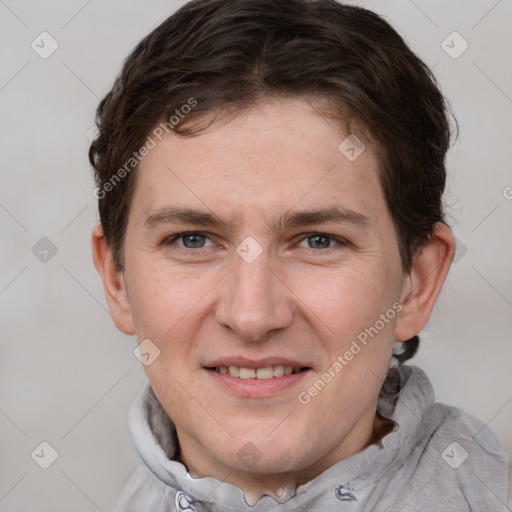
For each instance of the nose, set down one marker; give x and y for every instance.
(254, 302)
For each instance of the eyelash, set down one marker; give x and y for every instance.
(340, 242)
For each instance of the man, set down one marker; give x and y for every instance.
(270, 176)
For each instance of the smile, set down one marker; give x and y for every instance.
(266, 372)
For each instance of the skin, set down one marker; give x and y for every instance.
(298, 299)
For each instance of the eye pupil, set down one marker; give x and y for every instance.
(319, 242)
(193, 241)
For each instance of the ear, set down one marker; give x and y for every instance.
(113, 282)
(423, 284)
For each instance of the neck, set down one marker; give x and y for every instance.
(255, 485)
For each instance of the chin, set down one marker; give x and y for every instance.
(264, 464)
(265, 457)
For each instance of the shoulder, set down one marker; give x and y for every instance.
(442, 423)
(455, 425)
(465, 460)
(450, 460)
(143, 489)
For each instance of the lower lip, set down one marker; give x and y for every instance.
(256, 387)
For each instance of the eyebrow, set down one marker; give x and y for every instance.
(335, 214)
(183, 216)
(290, 219)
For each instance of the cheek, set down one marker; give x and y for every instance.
(344, 301)
(167, 302)
(169, 307)
(353, 316)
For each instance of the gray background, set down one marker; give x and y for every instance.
(67, 376)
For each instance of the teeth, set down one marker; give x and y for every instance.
(267, 372)
(247, 373)
(234, 371)
(278, 370)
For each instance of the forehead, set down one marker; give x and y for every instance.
(276, 157)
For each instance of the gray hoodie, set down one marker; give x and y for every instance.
(437, 458)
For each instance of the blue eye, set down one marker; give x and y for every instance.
(320, 241)
(192, 240)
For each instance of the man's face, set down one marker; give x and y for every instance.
(259, 245)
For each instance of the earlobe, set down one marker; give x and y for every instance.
(113, 282)
(424, 282)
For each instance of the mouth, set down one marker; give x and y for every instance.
(257, 378)
(262, 378)
(261, 373)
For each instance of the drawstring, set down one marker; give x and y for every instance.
(183, 502)
(345, 492)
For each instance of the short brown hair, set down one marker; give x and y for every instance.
(227, 55)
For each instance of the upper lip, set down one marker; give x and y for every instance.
(245, 362)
